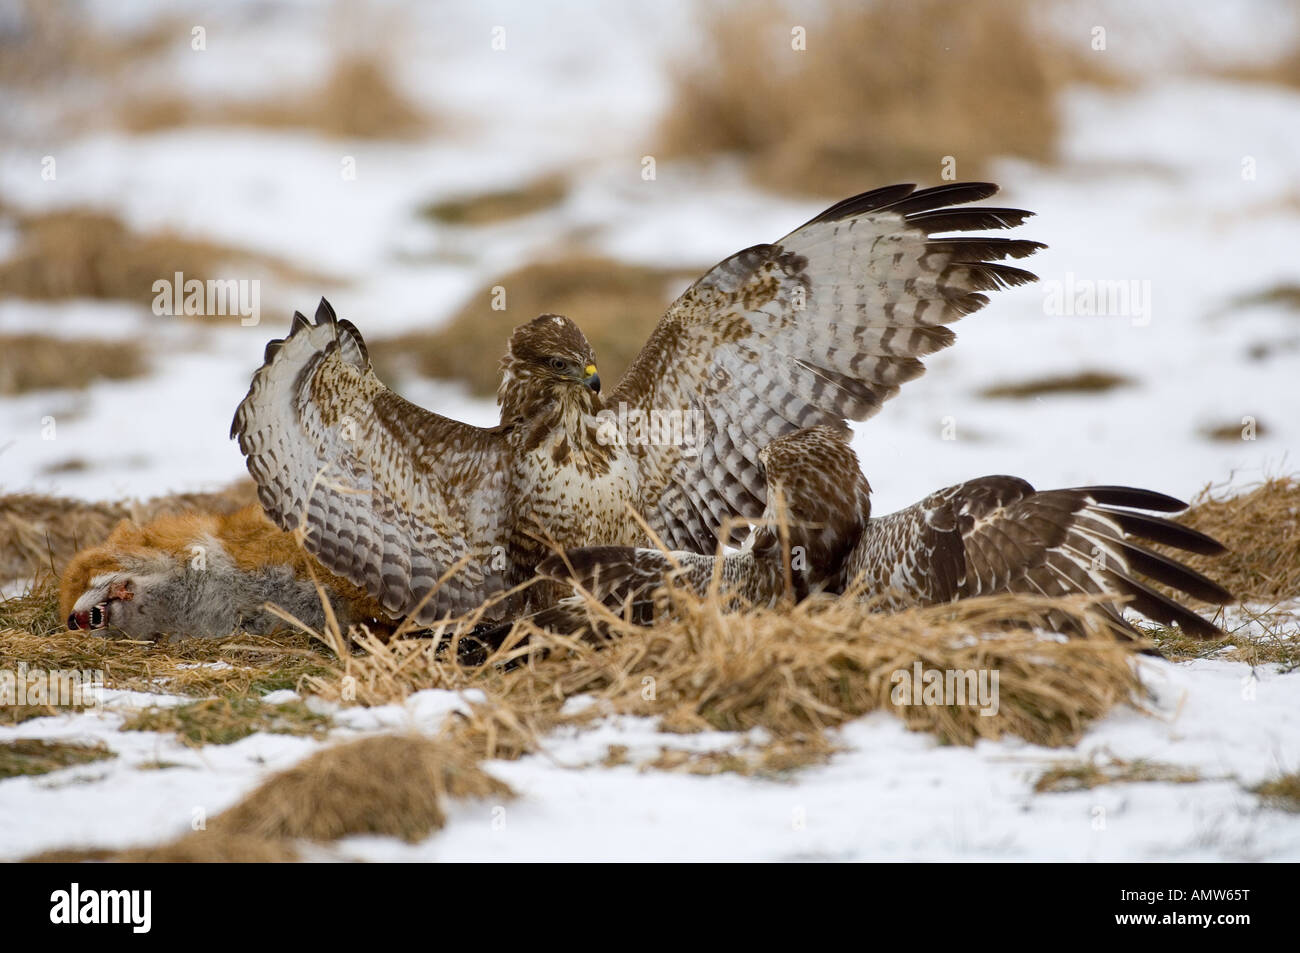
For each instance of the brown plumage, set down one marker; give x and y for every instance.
(433, 517)
(994, 534)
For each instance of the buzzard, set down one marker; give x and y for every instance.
(995, 534)
(434, 517)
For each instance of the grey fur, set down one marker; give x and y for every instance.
(173, 597)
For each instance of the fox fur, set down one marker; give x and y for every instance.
(205, 575)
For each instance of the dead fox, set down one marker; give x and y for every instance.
(204, 575)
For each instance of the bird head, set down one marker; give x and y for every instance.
(549, 357)
(817, 496)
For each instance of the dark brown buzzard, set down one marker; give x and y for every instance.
(995, 534)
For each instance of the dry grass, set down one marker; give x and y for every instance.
(1084, 382)
(1284, 293)
(774, 761)
(83, 253)
(201, 847)
(1270, 636)
(1261, 529)
(1176, 646)
(53, 40)
(883, 91)
(27, 756)
(792, 671)
(395, 785)
(1277, 642)
(1282, 792)
(487, 208)
(1086, 775)
(30, 630)
(223, 721)
(387, 785)
(40, 534)
(617, 306)
(357, 100)
(11, 715)
(1233, 431)
(54, 43)
(1282, 70)
(36, 362)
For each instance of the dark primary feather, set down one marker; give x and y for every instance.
(1165, 532)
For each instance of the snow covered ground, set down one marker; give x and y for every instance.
(1151, 190)
(890, 795)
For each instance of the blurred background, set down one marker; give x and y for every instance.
(409, 160)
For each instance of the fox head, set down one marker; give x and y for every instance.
(201, 576)
(138, 591)
(140, 594)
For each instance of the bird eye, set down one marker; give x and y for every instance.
(557, 363)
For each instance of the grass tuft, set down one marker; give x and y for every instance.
(357, 100)
(1282, 792)
(1086, 775)
(790, 670)
(83, 253)
(884, 90)
(394, 785)
(777, 760)
(1261, 528)
(28, 756)
(223, 721)
(1084, 382)
(201, 847)
(1234, 431)
(488, 208)
(1285, 294)
(37, 362)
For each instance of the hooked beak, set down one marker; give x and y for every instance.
(592, 379)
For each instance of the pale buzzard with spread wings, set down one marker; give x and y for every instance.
(433, 517)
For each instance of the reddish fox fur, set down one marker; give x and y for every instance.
(204, 575)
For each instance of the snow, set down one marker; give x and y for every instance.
(1150, 188)
(890, 795)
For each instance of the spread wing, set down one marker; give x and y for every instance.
(992, 535)
(390, 495)
(824, 325)
(997, 534)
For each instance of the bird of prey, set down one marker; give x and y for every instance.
(995, 534)
(434, 517)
